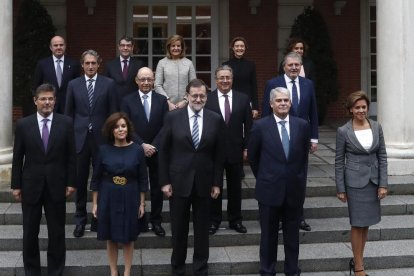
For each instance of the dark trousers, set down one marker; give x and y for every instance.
(233, 180)
(180, 218)
(301, 214)
(83, 162)
(155, 190)
(56, 250)
(269, 224)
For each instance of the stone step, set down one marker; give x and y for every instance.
(236, 260)
(315, 207)
(321, 182)
(323, 230)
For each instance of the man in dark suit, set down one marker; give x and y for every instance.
(146, 109)
(190, 166)
(43, 175)
(47, 71)
(303, 98)
(91, 98)
(235, 111)
(124, 68)
(278, 152)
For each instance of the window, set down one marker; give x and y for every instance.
(153, 22)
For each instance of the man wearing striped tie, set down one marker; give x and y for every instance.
(90, 99)
(190, 166)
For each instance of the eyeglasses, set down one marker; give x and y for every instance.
(224, 78)
(146, 80)
(201, 96)
(44, 99)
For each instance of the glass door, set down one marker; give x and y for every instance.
(152, 23)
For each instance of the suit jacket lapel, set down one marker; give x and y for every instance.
(35, 129)
(96, 92)
(52, 71)
(275, 135)
(54, 130)
(375, 134)
(352, 137)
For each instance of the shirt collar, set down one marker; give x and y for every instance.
(220, 94)
(40, 117)
(279, 119)
(142, 94)
(289, 80)
(94, 77)
(122, 59)
(55, 58)
(191, 112)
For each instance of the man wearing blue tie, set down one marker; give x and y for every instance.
(304, 106)
(278, 152)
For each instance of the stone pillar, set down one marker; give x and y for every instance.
(6, 102)
(395, 82)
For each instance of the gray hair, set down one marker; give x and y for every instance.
(292, 55)
(223, 67)
(281, 90)
(91, 53)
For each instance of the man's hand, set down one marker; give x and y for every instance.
(313, 147)
(149, 149)
(95, 210)
(17, 194)
(69, 190)
(245, 155)
(255, 114)
(342, 197)
(215, 191)
(167, 190)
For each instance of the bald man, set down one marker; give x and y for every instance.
(146, 110)
(47, 71)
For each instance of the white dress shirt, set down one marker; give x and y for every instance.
(60, 63)
(199, 121)
(221, 100)
(289, 86)
(149, 94)
(279, 126)
(93, 83)
(40, 123)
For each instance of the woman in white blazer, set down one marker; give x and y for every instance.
(360, 173)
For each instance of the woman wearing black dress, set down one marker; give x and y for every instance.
(244, 73)
(119, 184)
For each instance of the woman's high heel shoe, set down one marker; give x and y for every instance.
(352, 268)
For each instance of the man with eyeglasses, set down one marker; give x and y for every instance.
(234, 109)
(43, 176)
(190, 162)
(146, 109)
(123, 69)
(57, 70)
(90, 99)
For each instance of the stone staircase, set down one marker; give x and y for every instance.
(323, 251)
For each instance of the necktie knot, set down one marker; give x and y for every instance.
(125, 61)
(91, 81)
(58, 61)
(145, 97)
(282, 122)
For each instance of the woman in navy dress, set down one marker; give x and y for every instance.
(119, 184)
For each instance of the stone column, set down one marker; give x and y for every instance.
(395, 81)
(6, 56)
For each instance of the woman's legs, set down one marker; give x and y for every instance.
(112, 251)
(358, 239)
(128, 254)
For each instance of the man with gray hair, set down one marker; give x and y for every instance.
(90, 99)
(302, 94)
(278, 153)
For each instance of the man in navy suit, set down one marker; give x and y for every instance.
(278, 152)
(47, 71)
(146, 109)
(234, 109)
(124, 68)
(91, 98)
(304, 106)
(43, 175)
(190, 166)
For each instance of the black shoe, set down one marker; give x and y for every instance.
(238, 227)
(158, 230)
(304, 226)
(79, 231)
(212, 229)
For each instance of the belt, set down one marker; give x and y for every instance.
(119, 180)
